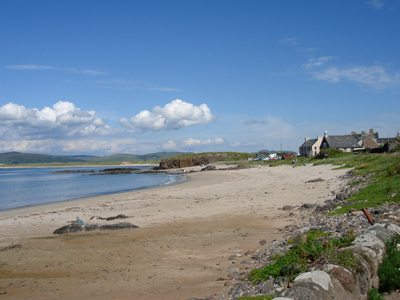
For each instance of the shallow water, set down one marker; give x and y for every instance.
(32, 186)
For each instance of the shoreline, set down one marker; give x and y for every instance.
(78, 166)
(191, 236)
(56, 204)
(179, 178)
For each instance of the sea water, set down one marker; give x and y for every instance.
(32, 186)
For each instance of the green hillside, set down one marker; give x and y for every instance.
(135, 157)
(15, 158)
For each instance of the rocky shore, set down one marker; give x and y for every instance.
(314, 217)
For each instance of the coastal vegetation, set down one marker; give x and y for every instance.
(310, 254)
(376, 175)
(219, 156)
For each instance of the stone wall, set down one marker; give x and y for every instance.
(335, 282)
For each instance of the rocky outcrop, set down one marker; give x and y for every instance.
(196, 160)
(75, 227)
(187, 162)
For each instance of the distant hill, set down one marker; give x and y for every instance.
(84, 157)
(136, 157)
(15, 158)
(29, 158)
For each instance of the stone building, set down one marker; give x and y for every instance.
(346, 143)
(310, 147)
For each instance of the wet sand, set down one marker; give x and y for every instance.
(188, 233)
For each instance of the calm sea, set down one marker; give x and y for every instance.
(32, 186)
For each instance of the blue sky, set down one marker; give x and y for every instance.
(104, 77)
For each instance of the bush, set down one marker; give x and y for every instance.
(374, 295)
(389, 270)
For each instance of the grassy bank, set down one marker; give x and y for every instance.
(382, 171)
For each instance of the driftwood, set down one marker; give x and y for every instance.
(120, 216)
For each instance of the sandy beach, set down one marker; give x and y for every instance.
(191, 235)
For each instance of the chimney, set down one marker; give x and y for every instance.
(353, 133)
(363, 133)
(397, 136)
(371, 132)
(307, 139)
(326, 133)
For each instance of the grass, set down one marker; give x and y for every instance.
(382, 169)
(388, 271)
(375, 194)
(298, 259)
(312, 235)
(355, 182)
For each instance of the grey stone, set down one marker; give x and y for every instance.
(299, 239)
(267, 287)
(318, 277)
(305, 290)
(308, 205)
(287, 207)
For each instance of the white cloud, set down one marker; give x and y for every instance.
(128, 84)
(378, 4)
(88, 146)
(63, 120)
(192, 142)
(38, 146)
(175, 115)
(219, 141)
(237, 144)
(29, 67)
(376, 77)
(307, 50)
(289, 42)
(250, 122)
(73, 70)
(317, 62)
(170, 145)
(12, 111)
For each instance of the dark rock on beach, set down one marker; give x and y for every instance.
(112, 171)
(75, 227)
(120, 216)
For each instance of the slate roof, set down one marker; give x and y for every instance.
(342, 141)
(308, 143)
(359, 136)
(384, 140)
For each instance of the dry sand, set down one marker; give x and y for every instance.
(187, 234)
